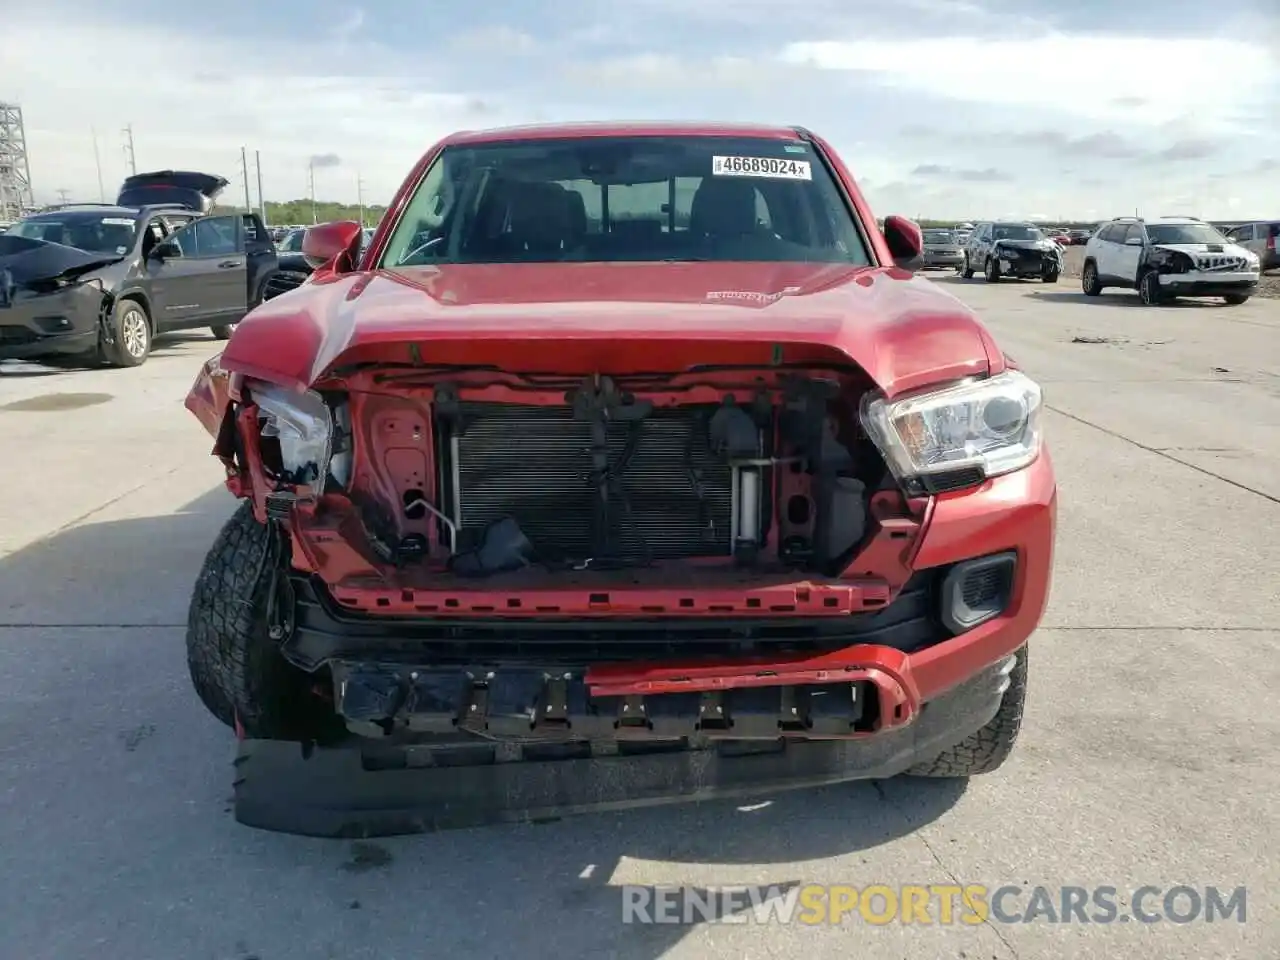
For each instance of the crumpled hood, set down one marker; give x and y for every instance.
(1211, 254)
(27, 260)
(904, 331)
(1028, 244)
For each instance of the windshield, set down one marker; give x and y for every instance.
(607, 199)
(1017, 231)
(94, 232)
(1184, 233)
(937, 236)
(292, 243)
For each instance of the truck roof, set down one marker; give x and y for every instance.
(639, 128)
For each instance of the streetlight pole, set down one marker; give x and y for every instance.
(311, 187)
(360, 197)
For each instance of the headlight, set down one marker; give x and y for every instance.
(990, 425)
(302, 424)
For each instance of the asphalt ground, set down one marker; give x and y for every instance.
(1148, 757)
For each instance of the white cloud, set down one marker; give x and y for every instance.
(1135, 80)
(204, 98)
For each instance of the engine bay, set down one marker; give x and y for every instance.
(474, 475)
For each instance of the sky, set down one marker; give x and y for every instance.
(964, 109)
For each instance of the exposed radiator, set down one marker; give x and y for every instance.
(533, 464)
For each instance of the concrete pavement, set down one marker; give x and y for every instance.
(1148, 756)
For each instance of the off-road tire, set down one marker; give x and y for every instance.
(1235, 299)
(1089, 282)
(991, 270)
(988, 748)
(966, 271)
(237, 670)
(1149, 290)
(131, 336)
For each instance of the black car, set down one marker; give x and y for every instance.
(102, 280)
(1012, 249)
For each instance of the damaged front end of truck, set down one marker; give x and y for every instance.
(690, 552)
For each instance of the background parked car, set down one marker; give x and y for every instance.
(1259, 238)
(942, 249)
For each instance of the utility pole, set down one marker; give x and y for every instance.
(360, 197)
(63, 195)
(244, 170)
(311, 189)
(97, 162)
(262, 203)
(128, 149)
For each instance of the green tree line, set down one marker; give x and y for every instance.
(302, 212)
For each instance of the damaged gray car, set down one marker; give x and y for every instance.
(98, 282)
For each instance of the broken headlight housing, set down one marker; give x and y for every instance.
(975, 429)
(302, 425)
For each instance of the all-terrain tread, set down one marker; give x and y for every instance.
(238, 673)
(988, 748)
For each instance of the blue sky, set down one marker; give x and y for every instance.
(947, 108)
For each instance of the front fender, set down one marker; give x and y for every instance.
(210, 395)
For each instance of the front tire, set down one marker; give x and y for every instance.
(1149, 289)
(1050, 276)
(1089, 281)
(966, 271)
(991, 270)
(1235, 299)
(130, 343)
(988, 748)
(238, 672)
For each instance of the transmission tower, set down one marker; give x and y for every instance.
(15, 169)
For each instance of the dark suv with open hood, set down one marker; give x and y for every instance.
(102, 280)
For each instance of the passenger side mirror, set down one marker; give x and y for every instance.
(906, 242)
(1133, 242)
(338, 241)
(165, 250)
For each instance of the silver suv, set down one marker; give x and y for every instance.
(1259, 238)
(1168, 257)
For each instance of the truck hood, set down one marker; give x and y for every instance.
(25, 260)
(904, 331)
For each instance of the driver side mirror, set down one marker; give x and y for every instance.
(906, 242)
(330, 241)
(165, 250)
(1133, 242)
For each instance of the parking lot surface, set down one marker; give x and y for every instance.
(1148, 756)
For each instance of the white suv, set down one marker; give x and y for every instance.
(1168, 257)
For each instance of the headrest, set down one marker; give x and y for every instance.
(723, 207)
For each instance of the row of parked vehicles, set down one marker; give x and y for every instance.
(1162, 258)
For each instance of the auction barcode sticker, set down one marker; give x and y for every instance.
(777, 168)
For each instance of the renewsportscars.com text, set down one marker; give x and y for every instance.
(971, 904)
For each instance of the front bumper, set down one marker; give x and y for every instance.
(41, 325)
(943, 258)
(427, 672)
(1206, 284)
(1030, 266)
(373, 790)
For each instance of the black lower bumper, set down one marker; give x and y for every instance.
(55, 324)
(1243, 288)
(365, 790)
